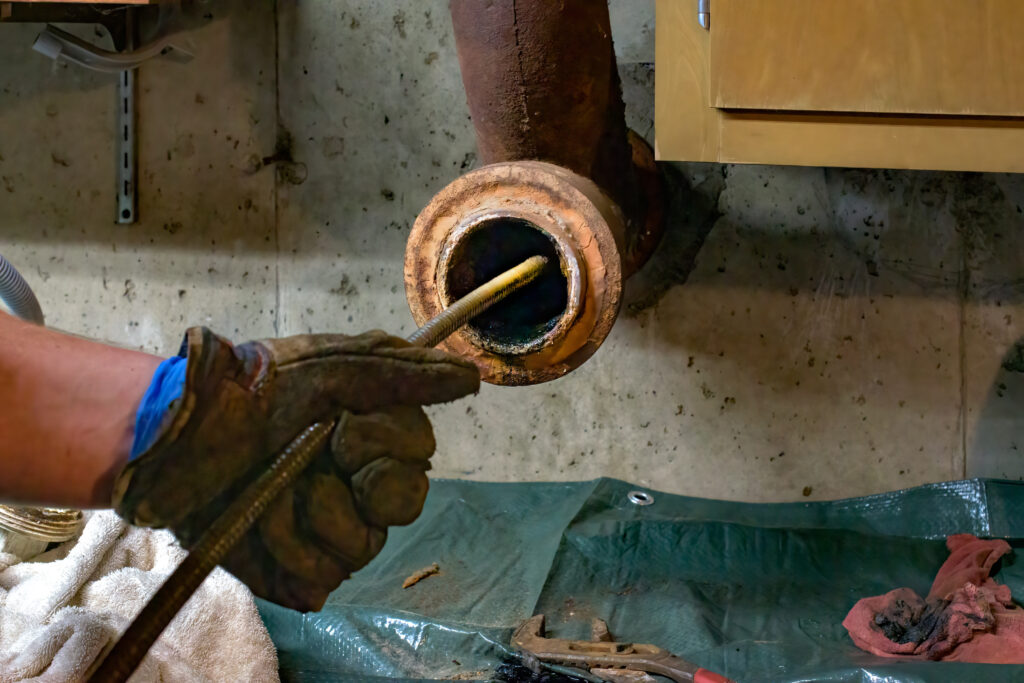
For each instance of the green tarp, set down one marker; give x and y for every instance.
(757, 592)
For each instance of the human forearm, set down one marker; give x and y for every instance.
(169, 443)
(67, 414)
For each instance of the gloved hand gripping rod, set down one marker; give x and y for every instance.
(283, 470)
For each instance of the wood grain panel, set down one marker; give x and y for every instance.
(688, 128)
(961, 57)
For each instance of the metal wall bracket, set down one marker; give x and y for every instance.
(704, 13)
(63, 46)
(127, 189)
(127, 197)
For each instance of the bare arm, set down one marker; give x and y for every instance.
(67, 414)
(68, 410)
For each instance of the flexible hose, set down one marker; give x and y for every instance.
(16, 293)
(213, 545)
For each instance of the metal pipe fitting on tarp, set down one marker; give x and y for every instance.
(564, 178)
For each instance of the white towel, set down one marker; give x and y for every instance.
(58, 611)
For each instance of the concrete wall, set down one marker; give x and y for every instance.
(802, 333)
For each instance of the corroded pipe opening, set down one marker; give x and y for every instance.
(493, 218)
(485, 246)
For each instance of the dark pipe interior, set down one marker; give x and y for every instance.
(489, 250)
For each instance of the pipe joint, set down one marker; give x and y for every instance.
(494, 217)
(565, 179)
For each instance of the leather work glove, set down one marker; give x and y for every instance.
(240, 405)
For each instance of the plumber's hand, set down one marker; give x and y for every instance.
(241, 405)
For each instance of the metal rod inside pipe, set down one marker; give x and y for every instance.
(226, 531)
(441, 326)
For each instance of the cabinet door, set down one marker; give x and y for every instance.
(935, 57)
(933, 84)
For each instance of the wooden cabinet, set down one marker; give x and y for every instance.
(878, 83)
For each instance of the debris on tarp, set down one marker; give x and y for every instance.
(756, 592)
(421, 574)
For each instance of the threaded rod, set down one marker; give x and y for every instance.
(438, 328)
(128, 652)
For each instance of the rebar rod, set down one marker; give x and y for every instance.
(438, 328)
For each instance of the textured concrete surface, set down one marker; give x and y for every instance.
(633, 29)
(371, 101)
(204, 250)
(990, 210)
(801, 334)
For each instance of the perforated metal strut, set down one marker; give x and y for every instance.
(235, 521)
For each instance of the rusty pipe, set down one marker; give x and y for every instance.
(542, 84)
(552, 94)
(564, 177)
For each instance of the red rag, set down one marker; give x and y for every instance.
(982, 624)
(970, 561)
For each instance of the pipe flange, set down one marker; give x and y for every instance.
(578, 223)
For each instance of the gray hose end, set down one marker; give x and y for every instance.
(18, 296)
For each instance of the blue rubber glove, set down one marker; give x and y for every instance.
(167, 385)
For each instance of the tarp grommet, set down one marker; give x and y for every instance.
(640, 498)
